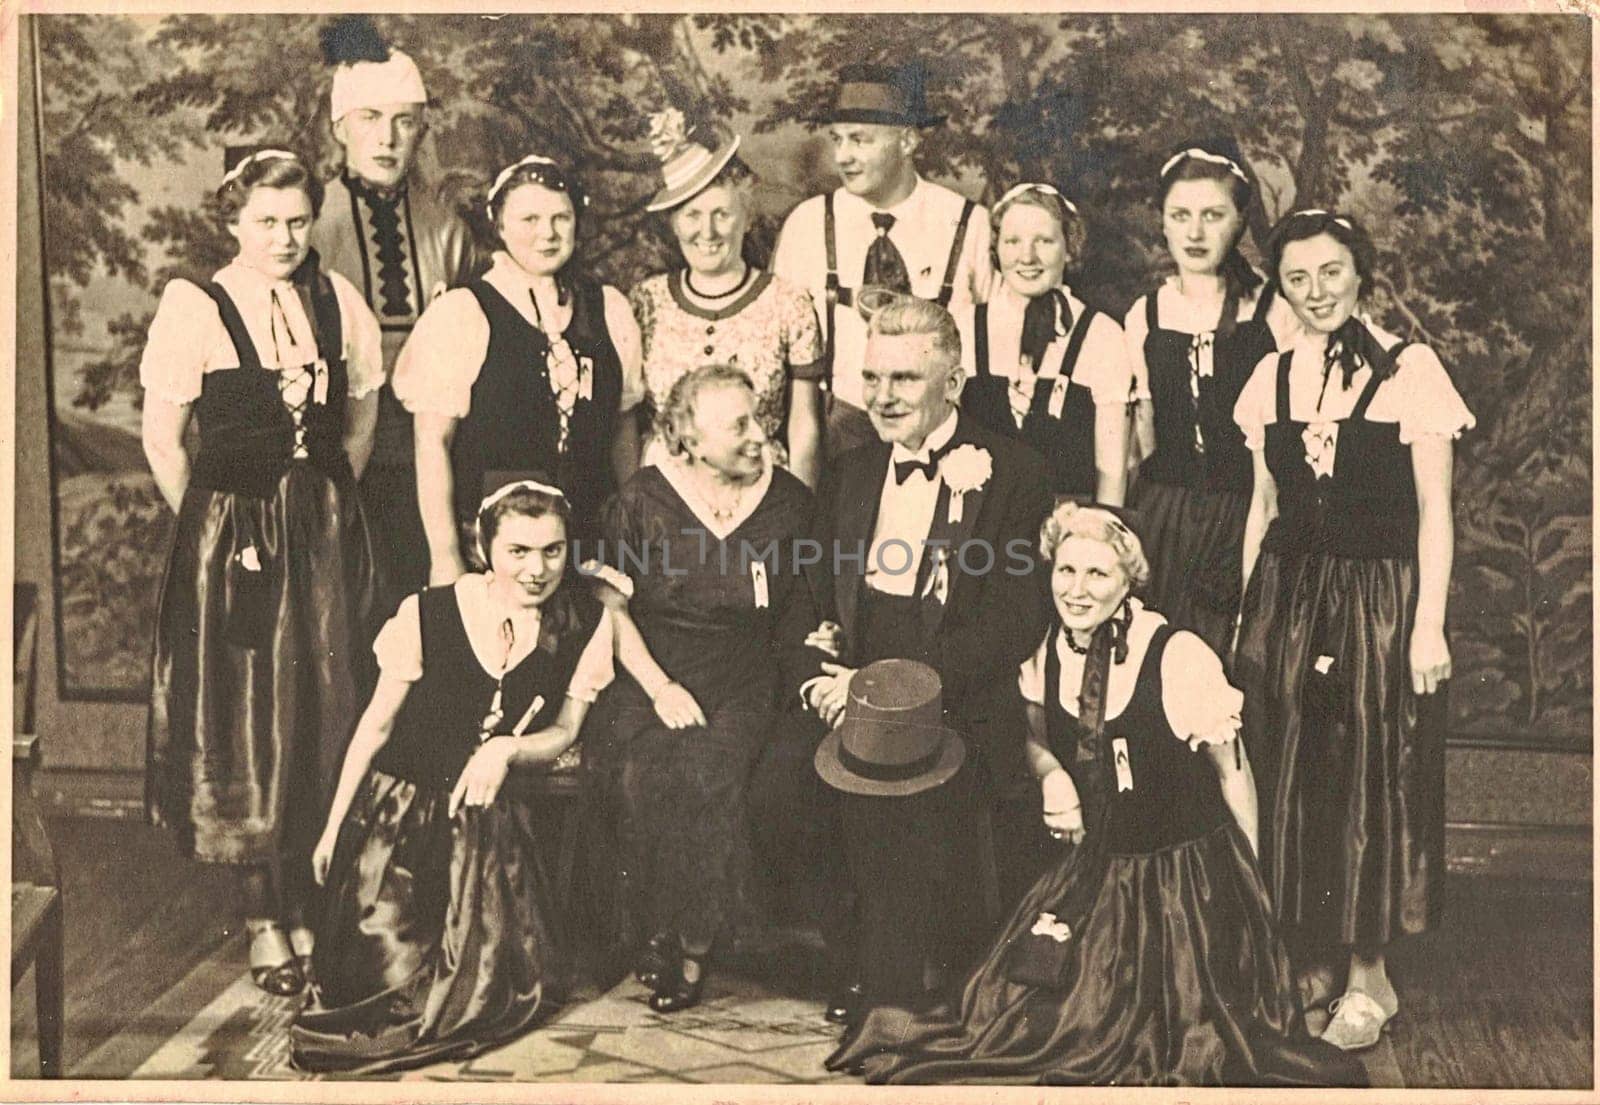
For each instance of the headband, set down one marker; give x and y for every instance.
(510, 170)
(1307, 212)
(237, 171)
(1205, 155)
(520, 485)
(1046, 189)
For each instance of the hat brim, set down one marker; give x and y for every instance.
(839, 777)
(881, 118)
(668, 198)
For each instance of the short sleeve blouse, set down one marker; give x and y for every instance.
(1420, 396)
(398, 645)
(1102, 364)
(1199, 701)
(187, 338)
(441, 360)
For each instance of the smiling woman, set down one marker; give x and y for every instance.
(719, 308)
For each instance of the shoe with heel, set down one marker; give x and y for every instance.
(673, 990)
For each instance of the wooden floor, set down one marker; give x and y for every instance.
(1501, 996)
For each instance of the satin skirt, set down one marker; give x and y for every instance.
(1179, 980)
(436, 941)
(259, 676)
(1194, 540)
(1348, 759)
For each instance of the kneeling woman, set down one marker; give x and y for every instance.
(1147, 954)
(435, 942)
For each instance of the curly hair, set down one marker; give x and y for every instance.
(1073, 231)
(267, 172)
(675, 419)
(1072, 519)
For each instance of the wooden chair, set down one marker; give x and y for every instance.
(37, 922)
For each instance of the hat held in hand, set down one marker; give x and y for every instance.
(892, 740)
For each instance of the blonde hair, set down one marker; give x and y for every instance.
(675, 419)
(1071, 519)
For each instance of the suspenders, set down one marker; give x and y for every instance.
(835, 294)
(1069, 359)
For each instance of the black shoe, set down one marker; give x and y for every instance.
(673, 991)
(656, 958)
(845, 1004)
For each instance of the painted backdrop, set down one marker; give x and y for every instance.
(1463, 142)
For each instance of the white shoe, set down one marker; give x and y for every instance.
(1358, 1021)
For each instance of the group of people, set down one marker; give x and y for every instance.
(827, 571)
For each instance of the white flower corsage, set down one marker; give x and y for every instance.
(965, 469)
(1049, 925)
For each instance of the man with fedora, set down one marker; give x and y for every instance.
(932, 530)
(399, 244)
(885, 230)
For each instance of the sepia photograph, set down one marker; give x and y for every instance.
(793, 551)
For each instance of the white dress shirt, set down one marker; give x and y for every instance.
(923, 230)
(905, 515)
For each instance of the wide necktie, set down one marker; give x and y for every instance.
(885, 268)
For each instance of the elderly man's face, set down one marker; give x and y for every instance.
(910, 386)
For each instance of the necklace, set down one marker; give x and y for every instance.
(1072, 643)
(744, 279)
(724, 514)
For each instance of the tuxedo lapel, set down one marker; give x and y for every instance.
(945, 538)
(860, 496)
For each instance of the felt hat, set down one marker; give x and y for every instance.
(892, 740)
(889, 95)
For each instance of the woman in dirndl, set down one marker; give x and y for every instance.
(265, 607)
(1342, 654)
(438, 940)
(1193, 342)
(1146, 954)
(1042, 365)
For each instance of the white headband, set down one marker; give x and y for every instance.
(237, 171)
(506, 173)
(1047, 189)
(1204, 155)
(364, 84)
(1340, 219)
(520, 485)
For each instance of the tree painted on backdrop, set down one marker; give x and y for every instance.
(1461, 142)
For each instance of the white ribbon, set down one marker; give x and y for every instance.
(237, 171)
(1205, 155)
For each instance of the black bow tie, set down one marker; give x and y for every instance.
(929, 468)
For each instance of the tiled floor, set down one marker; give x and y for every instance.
(739, 1034)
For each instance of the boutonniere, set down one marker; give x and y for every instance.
(965, 469)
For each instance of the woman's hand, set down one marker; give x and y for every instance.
(676, 707)
(484, 774)
(445, 570)
(827, 637)
(322, 855)
(1430, 659)
(1063, 813)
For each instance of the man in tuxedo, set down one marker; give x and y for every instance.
(933, 532)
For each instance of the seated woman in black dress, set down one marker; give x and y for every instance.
(435, 941)
(727, 627)
(1147, 954)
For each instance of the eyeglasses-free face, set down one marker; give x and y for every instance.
(1201, 223)
(1319, 278)
(539, 228)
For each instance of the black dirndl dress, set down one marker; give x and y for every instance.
(1145, 956)
(1349, 760)
(1059, 425)
(1193, 492)
(438, 938)
(265, 612)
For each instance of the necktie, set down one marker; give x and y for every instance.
(885, 268)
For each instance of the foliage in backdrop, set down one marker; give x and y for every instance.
(1462, 142)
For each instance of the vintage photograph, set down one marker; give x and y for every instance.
(718, 547)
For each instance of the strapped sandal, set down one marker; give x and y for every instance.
(1358, 1021)
(273, 966)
